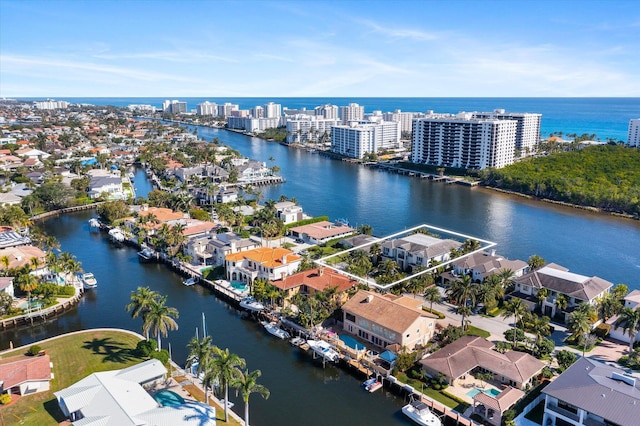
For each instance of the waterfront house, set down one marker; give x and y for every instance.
(558, 281)
(108, 186)
(211, 249)
(262, 262)
(289, 212)
(418, 250)
(492, 407)
(10, 238)
(387, 319)
(6, 286)
(21, 256)
(591, 393)
(482, 264)
(320, 232)
(227, 196)
(312, 281)
(253, 171)
(119, 397)
(25, 375)
(469, 354)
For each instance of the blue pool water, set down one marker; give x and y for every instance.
(239, 285)
(168, 398)
(351, 342)
(491, 392)
(35, 304)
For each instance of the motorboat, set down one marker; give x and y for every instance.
(94, 223)
(116, 235)
(88, 280)
(297, 341)
(130, 175)
(324, 349)
(251, 304)
(420, 413)
(146, 255)
(190, 281)
(272, 328)
(372, 384)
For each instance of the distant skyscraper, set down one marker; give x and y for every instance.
(207, 108)
(463, 141)
(634, 133)
(327, 111)
(51, 104)
(272, 110)
(351, 112)
(174, 107)
(225, 110)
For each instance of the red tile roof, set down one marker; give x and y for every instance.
(15, 371)
(316, 279)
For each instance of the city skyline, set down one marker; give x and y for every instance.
(325, 49)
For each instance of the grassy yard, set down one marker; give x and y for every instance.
(475, 331)
(74, 357)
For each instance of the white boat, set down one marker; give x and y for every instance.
(297, 341)
(421, 414)
(190, 281)
(251, 304)
(272, 328)
(88, 280)
(371, 385)
(94, 223)
(116, 235)
(324, 349)
(146, 255)
(131, 175)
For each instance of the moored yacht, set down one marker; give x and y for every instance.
(421, 414)
(251, 304)
(324, 349)
(88, 280)
(272, 328)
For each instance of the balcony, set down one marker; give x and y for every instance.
(563, 412)
(590, 421)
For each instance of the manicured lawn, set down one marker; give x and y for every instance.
(438, 395)
(74, 357)
(475, 331)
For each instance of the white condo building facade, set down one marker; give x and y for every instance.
(174, 107)
(303, 128)
(51, 104)
(527, 127)
(207, 108)
(351, 112)
(634, 133)
(357, 139)
(463, 141)
(327, 111)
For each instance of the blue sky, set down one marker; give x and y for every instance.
(57, 48)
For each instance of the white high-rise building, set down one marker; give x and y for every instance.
(327, 111)
(174, 107)
(272, 110)
(207, 108)
(257, 112)
(225, 110)
(527, 130)
(463, 141)
(351, 112)
(634, 133)
(303, 128)
(51, 104)
(357, 139)
(404, 118)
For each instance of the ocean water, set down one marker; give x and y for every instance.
(604, 117)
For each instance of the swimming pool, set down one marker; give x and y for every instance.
(168, 398)
(491, 392)
(35, 304)
(351, 342)
(239, 285)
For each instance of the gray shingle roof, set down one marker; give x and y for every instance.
(557, 278)
(589, 385)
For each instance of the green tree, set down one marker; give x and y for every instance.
(201, 353)
(565, 358)
(432, 295)
(535, 262)
(629, 320)
(159, 319)
(463, 291)
(226, 367)
(514, 307)
(141, 301)
(247, 383)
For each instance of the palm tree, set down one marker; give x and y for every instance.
(463, 291)
(201, 352)
(5, 262)
(140, 303)
(514, 307)
(246, 384)
(535, 262)
(27, 283)
(562, 302)
(629, 320)
(542, 295)
(579, 324)
(159, 319)
(540, 327)
(431, 295)
(506, 277)
(470, 245)
(465, 312)
(225, 367)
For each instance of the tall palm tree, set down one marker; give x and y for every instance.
(201, 352)
(159, 319)
(463, 291)
(226, 367)
(562, 302)
(629, 320)
(514, 307)
(431, 295)
(465, 312)
(246, 384)
(506, 277)
(5, 262)
(535, 262)
(27, 283)
(579, 324)
(140, 303)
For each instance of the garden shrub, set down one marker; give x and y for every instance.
(145, 348)
(5, 399)
(162, 356)
(34, 350)
(602, 330)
